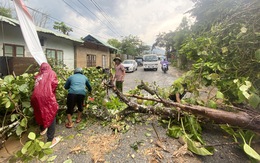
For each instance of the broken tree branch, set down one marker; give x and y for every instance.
(238, 118)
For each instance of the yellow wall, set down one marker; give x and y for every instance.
(91, 49)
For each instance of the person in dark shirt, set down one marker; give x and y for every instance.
(76, 85)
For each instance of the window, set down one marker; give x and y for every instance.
(91, 60)
(104, 61)
(54, 54)
(13, 50)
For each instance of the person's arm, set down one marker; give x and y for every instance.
(54, 83)
(123, 73)
(88, 86)
(67, 84)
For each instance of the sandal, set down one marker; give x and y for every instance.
(44, 131)
(78, 120)
(55, 141)
(69, 125)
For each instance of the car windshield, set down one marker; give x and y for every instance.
(150, 58)
(128, 62)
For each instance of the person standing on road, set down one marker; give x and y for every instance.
(44, 103)
(120, 74)
(76, 85)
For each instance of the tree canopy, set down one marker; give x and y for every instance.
(7, 12)
(130, 45)
(62, 27)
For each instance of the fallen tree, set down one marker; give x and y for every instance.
(246, 119)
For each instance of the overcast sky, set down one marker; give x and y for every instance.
(114, 18)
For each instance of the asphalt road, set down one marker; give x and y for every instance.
(162, 79)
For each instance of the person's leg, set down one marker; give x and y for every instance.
(80, 102)
(119, 85)
(51, 130)
(70, 109)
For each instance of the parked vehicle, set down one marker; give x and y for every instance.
(130, 65)
(150, 62)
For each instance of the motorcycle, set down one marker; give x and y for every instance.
(164, 67)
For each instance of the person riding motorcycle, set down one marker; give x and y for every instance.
(164, 61)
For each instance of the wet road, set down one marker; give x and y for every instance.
(162, 79)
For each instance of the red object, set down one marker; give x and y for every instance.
(91, 98)
(43, 98)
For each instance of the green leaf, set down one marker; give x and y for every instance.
(8, 79)
(224, 49)
(81, 126)
(8, 104)
(175, 131)
(254, 100)
(257, 54)
(243, 30)
(47, 145)
(32, 136)
(25, 147)
(68, 161)
(52, 158)
(24, 122)
(147, 134)
(14, 117)
(41, 144)
(26, 104)
(19, 130)
(212, 104)
(44, 158)
(23, 88)
(228, 129)
(48, 151)
(219, 95)
(251, 152)
(194, 147)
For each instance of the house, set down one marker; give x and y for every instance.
(94, 52)
(16, 58)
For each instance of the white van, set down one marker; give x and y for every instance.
(150, 62)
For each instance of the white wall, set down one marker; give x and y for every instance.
(57, 43)
(12, 35)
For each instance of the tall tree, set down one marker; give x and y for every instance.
(62, 27)
(132, 45)
(7, 12)
(114, 42)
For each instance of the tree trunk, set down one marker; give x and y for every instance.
(243, 119)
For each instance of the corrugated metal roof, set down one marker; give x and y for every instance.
(90, 38)
(15, 22)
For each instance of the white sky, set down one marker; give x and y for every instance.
(142, 18)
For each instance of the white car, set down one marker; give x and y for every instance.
(130, 65)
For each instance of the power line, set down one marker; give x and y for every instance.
(103, 13)
(98, 18)
(55, 19)
(83, 15)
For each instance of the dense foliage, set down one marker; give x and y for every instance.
(130, 45)
(223, 48)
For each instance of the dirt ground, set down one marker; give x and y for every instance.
(145, 141)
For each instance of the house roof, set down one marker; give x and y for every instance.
(15, 22)
(95, 40)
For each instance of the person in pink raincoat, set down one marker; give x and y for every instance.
(43, 101)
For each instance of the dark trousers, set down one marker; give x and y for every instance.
(72, 100)
(119, 85)
(50, 131)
